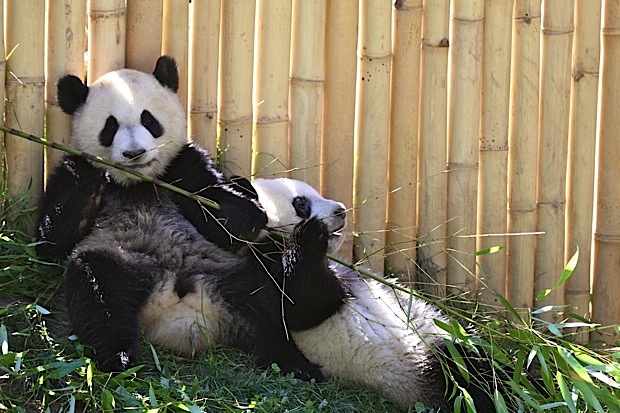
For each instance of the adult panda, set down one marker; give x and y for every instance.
(142, 258)
(354, 327)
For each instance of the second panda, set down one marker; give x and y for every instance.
(352, 326)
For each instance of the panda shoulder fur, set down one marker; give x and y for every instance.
(355, 327)
(142, 258)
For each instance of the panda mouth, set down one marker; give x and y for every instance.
(140, 165)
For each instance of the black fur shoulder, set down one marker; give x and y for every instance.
(69, 206)
(239, 217)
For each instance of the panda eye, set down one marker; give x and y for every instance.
(302, 206)
(106, 136)
(151, 124)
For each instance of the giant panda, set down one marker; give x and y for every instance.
(140, 258)
(354, 327)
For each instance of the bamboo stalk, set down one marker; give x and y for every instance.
(339, 105)
(493, 174)
(175, 36)
(203, 72)
(235, 86)
(403, 149)
(106, 37)
(432, 181)
(271, 81)
(556, 50)
(25, 94)
(522, 139)
(144, 27)
(581, 155)
(66, 36)
(372, 131)
(605, 288)
(306, 89)
(464, 80)
(2, 76)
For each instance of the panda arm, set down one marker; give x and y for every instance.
(69, 206)
(239, 218)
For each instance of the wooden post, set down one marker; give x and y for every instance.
(581, 155)
(339, 106)
(556, 43)
(175, 36)
(372, 131)
(464, 80)
(306, 89)
(523, 143)
(25, 95)
(403, 149)
(235, 86)
(493, 174)
(605, 288)
(271, 87)
(432, 180)
(203, 72)
(144, 26)
(66, 37)
(106, 37)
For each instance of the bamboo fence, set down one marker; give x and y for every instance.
(448, 127)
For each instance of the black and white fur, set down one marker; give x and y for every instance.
(354, 327)
(142, 258)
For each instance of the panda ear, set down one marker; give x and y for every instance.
(166, 72)
(244, 186)
(71, 93)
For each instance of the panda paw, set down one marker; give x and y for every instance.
(306, 371)
(117, 362)
(312, 236)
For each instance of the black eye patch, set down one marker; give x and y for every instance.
(151, 124)
(302, 206)
(106, 136)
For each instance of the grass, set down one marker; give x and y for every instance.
(43, 368)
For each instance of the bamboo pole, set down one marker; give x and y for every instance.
(403, 149)
(66, 37)
(556, 51)
(605, 288)
(432, 181)
(2, 84)
(25, 94)
(106, 37)
(144, 27)
(523, 143)
(339, 105)
(175, 36)
(306, 89)
(464, 85)
(581, 155)
(493, 174)
(235, 86)
(203, 72)
(372, 131)
(271, 81)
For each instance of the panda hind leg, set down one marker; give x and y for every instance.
(273, 346)
(103, 297)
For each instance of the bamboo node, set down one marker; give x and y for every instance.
(578, 74)
(610, 239)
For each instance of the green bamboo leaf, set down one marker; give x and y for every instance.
(588, 395)
(457, 359)
(570, 267)
(567, 396)
(572, 362)
(510, 308)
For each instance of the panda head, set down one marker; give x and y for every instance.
(288, 202)
(129, 117)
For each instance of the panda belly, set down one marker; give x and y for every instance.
(184, 311)
(368, 342)
(186, 324)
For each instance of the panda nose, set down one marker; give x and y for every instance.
(339, 212)
(134, 153)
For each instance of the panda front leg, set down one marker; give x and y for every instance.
(314, 291)
(103, 297)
